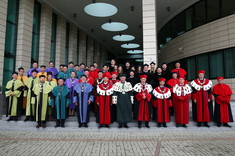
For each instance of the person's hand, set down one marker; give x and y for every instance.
(52, 107)
(195, 101)
(12, 94)
(209, 100)
(76, 103)
(98, 104)
(67, 106)
(89, 102)
(144, 97)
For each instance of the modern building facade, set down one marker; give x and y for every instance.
(199, 33)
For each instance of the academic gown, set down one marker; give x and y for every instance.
(104, 101)
(71, 83)
(53, 70)
(223, 112)
(124, 100)
(42, 92)
(30, 71)
(31, 100)
(60, 100)
(83, 94)
(53, 84)
(63, 75)
(162, 103)
(202, 110)
(93, 74)
(143, 107)
(22, 98)
(181, 95)
(132, 80)
(13, 106)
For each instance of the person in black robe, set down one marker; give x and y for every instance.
(165, 72)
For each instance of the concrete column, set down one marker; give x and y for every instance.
(3, 19)
(90, 51)
(82, 47)
(60, 40)
(73, 43)
(97, 53)
(45, 34)
(24, 34)
(149, 31)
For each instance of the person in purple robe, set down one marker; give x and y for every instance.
(52, 69)
(35, 67)
(71, 83)
(83, 99)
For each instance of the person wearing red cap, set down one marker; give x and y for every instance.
(143, 96)
(114, 77)
(123, 98)
(180, 71)
(104, 101)
(223, 113)
(162, 103)
(181, 94)
(202, 99)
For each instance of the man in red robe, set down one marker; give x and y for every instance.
(223, 113)
(104, 100)
(181, 94)
(89, 79)
(143, 97)
(162, 103)
(180, 71)
(114, 77)
(92, 72)
(202, 99)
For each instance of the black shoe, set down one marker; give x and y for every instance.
(26, 119)
(147, 125)
(125, 125)
(80, 125)
(206, 124)
(15, 118)
(199, 124)
(177, 125)
(44, 126)
(100, 126)
(219, 124)
(184, 125)
(164, 125)
(38, 126)
(107, 126)
(10, 119)
(120, 126)
(159, 125)
(85, 125)
(226, 125)
(62, 125)
(139, 126)
(57, 125)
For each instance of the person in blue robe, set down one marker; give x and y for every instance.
(83, 99)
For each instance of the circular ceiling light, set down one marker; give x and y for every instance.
(130, 45)
(123, 38)
(100, 9)
(139, 60)
(114, 26)
(135, 51)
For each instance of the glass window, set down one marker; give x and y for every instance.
(67, 44)
(229, 62)
(213, 10)
(216, 64)
(191, 68)
(189, 19)
(200, 13)
(36, 30)
(228, 7)
(203, 63)
(180, 23)
(53, 37)
(10, 46)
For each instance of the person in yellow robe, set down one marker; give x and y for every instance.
(13, 91)
(42, 71)
(30, 106)
(53, 83)
(22, 98)
(42, 91)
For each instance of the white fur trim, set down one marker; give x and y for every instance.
(137, 87)
(104, 92)
(117, 87)
(162, 95)
(199, 87)
(177, 89)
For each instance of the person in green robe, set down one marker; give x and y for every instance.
(31, 100)
(64, 74)
(42, 91)
(13, 91)
(53, 83)
(123, 98)
(60, 100)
